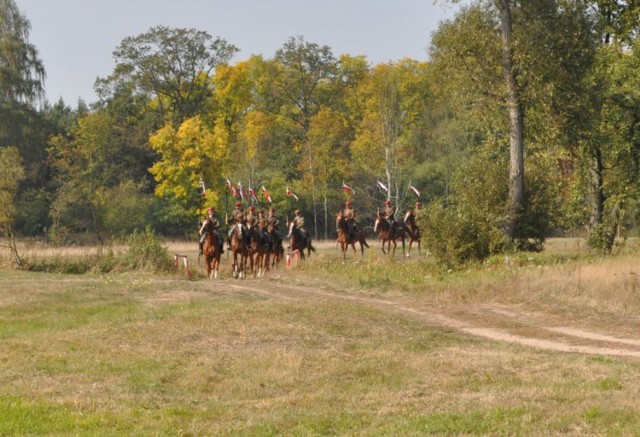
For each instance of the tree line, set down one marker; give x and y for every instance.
(523, 124)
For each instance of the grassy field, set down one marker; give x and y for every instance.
(138, 353)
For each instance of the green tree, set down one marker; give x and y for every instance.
(171, 67)
(507, 63)
(11, 173)
(22, 76)
(22, 73)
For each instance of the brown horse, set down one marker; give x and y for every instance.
(212, 249)
(240, 251)
(383, 227)
(347, 240)
(259, 251)
(297, 242)
(413, 231)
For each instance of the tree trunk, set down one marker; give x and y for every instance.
(597, 183)
(515, 203)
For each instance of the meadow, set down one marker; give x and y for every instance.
(365, 346)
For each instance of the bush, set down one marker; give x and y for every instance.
(146, 252)
(455, 237)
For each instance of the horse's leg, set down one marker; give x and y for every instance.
(233, 265)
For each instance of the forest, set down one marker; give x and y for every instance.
(524, 124)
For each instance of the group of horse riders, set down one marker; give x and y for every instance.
(249, 218)
(245, 220)
(349, 214)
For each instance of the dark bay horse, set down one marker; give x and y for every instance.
(259, 251)
(212, 249)
(240, 250)
(383, 227)
(296, 242)
(277, 251)
(347, 240)
(413, 231)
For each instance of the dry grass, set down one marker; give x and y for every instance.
(138, 354)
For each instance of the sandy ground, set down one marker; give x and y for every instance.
(493, 322)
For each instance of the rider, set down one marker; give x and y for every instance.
(215, 224)
(299, 221)
(250, 216)
(237, 218)
(272, 220)
(262, 220)
(389, 214)
(350, 217)
(418, 206)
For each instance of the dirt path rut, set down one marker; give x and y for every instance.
(510, 324)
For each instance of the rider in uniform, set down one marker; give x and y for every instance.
(250, 217)
(272, 219)
(390, 215)
(262, 220)
(349, 214)
(418, 206)
(299, 221)
(237, 218)
(211, 218)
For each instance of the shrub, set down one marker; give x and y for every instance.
(146, 252)
(455, 237)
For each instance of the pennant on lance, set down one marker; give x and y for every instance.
(382, 186)
(345, 187)
(266, 194)
(415, 190)
(204, 189)
(233, 190)
(252, 193)
(241, 190)
(291, 193)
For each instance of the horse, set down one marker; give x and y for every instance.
(277, 251)
(385, 234)
(296, 242)
(240, 251)
(347, 240)
(259, 251)
(413, 231)
(212, 250)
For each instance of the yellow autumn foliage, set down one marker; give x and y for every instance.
(195, 152)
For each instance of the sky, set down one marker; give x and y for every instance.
(76, 38)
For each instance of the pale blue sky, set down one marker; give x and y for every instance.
(76, 38)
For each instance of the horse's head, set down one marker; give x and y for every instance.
(380, 221)
(409, 217)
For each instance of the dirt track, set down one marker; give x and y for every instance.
(493, 322)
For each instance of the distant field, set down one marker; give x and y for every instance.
(532, 345)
